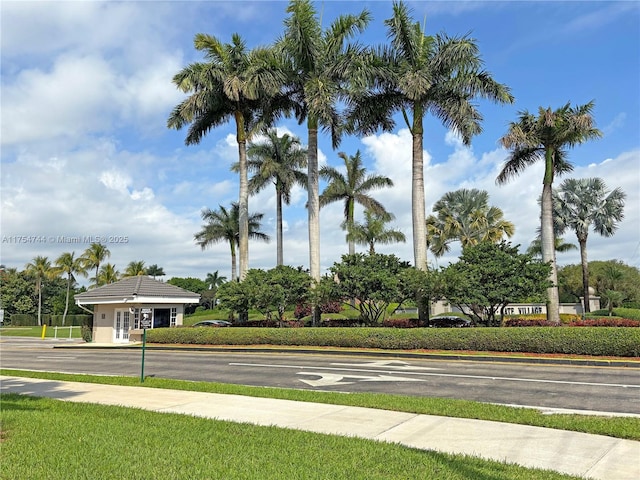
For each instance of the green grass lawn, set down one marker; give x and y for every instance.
(51, 332)
(50, 439)
(619, 427)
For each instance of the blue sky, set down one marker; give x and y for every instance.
(86, 90)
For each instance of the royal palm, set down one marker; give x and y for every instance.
(71, 266)
(278, 160)
(223, 226)
(373, 230)
(416, 75)
(232, 84)
(545, 138)
(40, 268)
(317, 62)
(351, 188)
(582, 204)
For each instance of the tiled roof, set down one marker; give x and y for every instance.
(141, 286)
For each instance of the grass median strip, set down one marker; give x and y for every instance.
(72, 440)
(619, 427)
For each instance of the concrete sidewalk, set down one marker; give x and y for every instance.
(589, 456)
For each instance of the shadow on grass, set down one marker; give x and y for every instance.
(39, 388)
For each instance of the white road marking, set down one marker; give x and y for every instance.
(396, 365)
(327, 379)
(451, 375)
(56, 358)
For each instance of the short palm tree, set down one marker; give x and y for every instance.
(94, 256)
(70, 266)
(232, 84)
(373, 231)
(40, 268)
(416, 75)
(579, 205)
(155, 271)
(214, 280)
(278, 161)
(316, 61)
(546, 137)
(351, 188)
(107, 274)
(560, 246)
(223, 226)
(135, 268)
(465, 216)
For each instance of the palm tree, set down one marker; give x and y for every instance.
(465, 215)
(545, 138)
(107, 274)
(416, 75)
(40, 268)
(214, 280)
(155, 271)
(230, 85)
(373, 231)
(352, 188)
(277, 161)
(223, 225)
(135, 268)
(94, 256)
(67, 264)
(560, 246)
(318, 62)
(580, 204)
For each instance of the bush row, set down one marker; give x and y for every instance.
(622, 342)
(29, 320)
(588, 322)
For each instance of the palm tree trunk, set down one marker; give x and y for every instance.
(39, 302)
(66, 304)
(417, 194)
(280, 256)
(234, 274)
(313, 206)
(547, 240)
(350, 219)
(243, 201)
(585, 274)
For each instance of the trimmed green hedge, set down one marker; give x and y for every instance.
(622, 341)
(29, 320)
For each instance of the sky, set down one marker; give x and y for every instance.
(86, 154)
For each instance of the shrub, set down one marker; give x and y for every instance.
(401, 322)
(618, 342)
(606, 322)
(304, 310)
(86, 333)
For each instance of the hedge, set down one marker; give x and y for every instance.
(622, 341)
(29, 320)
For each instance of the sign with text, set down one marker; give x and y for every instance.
(146, 318)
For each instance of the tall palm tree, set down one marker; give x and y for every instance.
(155, 271)
(277, 161)
(373, 231)
(135, 268)
(580, 204)
(546, 137)
(94, 256)
(318, 61)
(40, 268)
(231, 84)
(416, 75)
(107, 274)
(352, 188)
(67, 264)
(465, 215)
(223, 225)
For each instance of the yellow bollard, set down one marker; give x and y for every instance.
(44, 330)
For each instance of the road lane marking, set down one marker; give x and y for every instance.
(327, 379)
(433, 374)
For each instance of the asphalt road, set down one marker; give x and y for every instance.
(597, 389)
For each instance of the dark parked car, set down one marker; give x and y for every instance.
(212, 323)
(449, 321)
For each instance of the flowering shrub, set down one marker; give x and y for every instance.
(526, 321)
(401, 323)
(304, 310)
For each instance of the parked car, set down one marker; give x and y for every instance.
(449, 321)
(212, 323)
